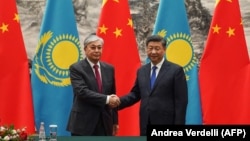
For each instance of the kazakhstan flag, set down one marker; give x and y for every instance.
(172, 24)
(58, 47)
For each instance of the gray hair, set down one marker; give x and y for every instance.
(91, 38)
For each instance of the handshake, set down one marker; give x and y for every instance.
(114, 101)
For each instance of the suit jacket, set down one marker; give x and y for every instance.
(166, 103)
(88, 104)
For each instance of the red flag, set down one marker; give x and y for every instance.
(120, 49)
(15, 90)
(223, 74)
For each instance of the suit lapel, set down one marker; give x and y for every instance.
(88, 69)
(104, 74)
(147, 71)
(162, 72)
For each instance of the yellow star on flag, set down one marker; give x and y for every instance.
(116, 1)
(117, 32)
(103, 29)
(230, 31)
(130, 23)
(216, 29)
(16, 18)
(4, 27)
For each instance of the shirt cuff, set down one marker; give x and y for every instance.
(107, 100)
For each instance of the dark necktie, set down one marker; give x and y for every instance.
(153, 77)
(98, 78)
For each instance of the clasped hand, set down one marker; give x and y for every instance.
(114, 101)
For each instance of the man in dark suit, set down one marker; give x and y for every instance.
(165, 103)
(94, 94)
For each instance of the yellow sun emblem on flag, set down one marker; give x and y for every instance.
(61, 53)
(54, 57)
(180, 51)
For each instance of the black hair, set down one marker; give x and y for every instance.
(156, 38)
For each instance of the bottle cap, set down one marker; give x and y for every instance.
(52, 125)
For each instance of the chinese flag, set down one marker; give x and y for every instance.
(224, 78)
(15, 89)
(120, 49)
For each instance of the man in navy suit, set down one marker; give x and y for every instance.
(94, 94)
(165, 102)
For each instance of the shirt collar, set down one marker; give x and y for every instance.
(92, 64)
(159, 64)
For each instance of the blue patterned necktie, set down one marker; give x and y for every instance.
(153, 77)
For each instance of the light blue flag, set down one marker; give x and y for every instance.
(172, 24)
(58, 47)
